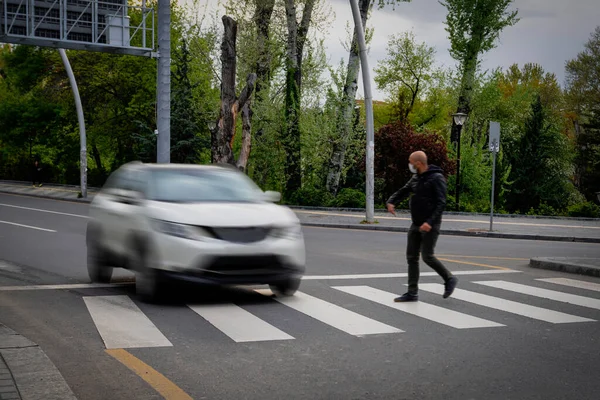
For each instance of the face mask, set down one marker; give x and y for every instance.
(412, 168)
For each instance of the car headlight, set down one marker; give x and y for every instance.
(287, 232)
(180, 230)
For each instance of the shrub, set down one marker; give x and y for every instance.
(312, 197)
(350, 198)
(587, 210)
(393, 145)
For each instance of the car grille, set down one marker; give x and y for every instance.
(243, 263)
(240, 235)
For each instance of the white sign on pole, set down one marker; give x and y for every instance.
(494, 137)
(494, 148)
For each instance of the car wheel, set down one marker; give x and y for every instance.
(98, 271)
(287, 288)
(147, 280)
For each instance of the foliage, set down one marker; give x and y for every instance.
(394, 144)
(350, 198)
(406, 72)
(583, 97)
(540, 171)
(586, 210)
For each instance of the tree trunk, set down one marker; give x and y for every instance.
(291, 137)
(467, 81)
(97, 158)
(246, 137)
(346, 111)
(262, 18)
(223, 135)
(222, 152)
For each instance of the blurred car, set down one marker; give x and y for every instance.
(199, 223)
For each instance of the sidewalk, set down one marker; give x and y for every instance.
(59, 192)
(506, 227)
(512, 227)
(26, 373)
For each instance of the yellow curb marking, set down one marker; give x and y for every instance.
(476, 264)
(158, 381)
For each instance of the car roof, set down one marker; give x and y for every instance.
(178, 167)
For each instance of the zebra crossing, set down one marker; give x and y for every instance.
(122, 324)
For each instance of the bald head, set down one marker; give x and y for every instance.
(419, 160)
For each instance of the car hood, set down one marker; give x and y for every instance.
(223, 214)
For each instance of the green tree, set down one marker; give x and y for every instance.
(473, 27)
(542, 164)
(583, 94)
(406, 72)
(186, 141)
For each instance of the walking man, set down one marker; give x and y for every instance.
(37, 173)
(427, 188)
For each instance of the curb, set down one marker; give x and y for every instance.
(35, 375)
(449, 232)
(45, 196)
(466, 214)
(565, 266)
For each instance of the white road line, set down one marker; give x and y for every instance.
(404, 275)
(420, 309)
(44, 211)
(122, 324)
(27, 226)
(333, 315)
(514, 307)
(544, 293)
(239, 324)
(59, 287)
(573, 283)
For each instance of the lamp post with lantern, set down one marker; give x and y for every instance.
(459, 119)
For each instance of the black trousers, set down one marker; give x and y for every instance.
(422, 243)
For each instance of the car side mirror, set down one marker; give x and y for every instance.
(272, 196)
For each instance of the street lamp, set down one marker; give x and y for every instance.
(459, 120)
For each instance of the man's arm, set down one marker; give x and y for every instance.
(402, 192)
(439, 198)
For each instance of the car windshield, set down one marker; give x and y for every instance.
(196, 185)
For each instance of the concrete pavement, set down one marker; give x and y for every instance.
(26, 372)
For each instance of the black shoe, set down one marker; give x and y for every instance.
(406, 297)
(450, 285)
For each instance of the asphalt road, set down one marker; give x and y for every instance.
(343, 340)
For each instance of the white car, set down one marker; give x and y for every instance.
(199, 223)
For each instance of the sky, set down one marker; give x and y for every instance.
(550, 32)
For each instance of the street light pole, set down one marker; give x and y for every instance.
(163, 101)
(362, 46)
(459, 119)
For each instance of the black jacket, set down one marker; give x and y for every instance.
(428, 199)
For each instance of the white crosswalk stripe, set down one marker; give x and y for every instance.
(121, 324)
(428, 311)
(573, 283)
(239, 324)
(513, 307)
(544, 293)
(333, 315)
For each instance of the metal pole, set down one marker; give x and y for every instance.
(81, 120)
(493, 187)
(163, 101)
(458, 170)
(360, 35)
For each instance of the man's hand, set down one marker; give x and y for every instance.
(391, 209)
(425, 227)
